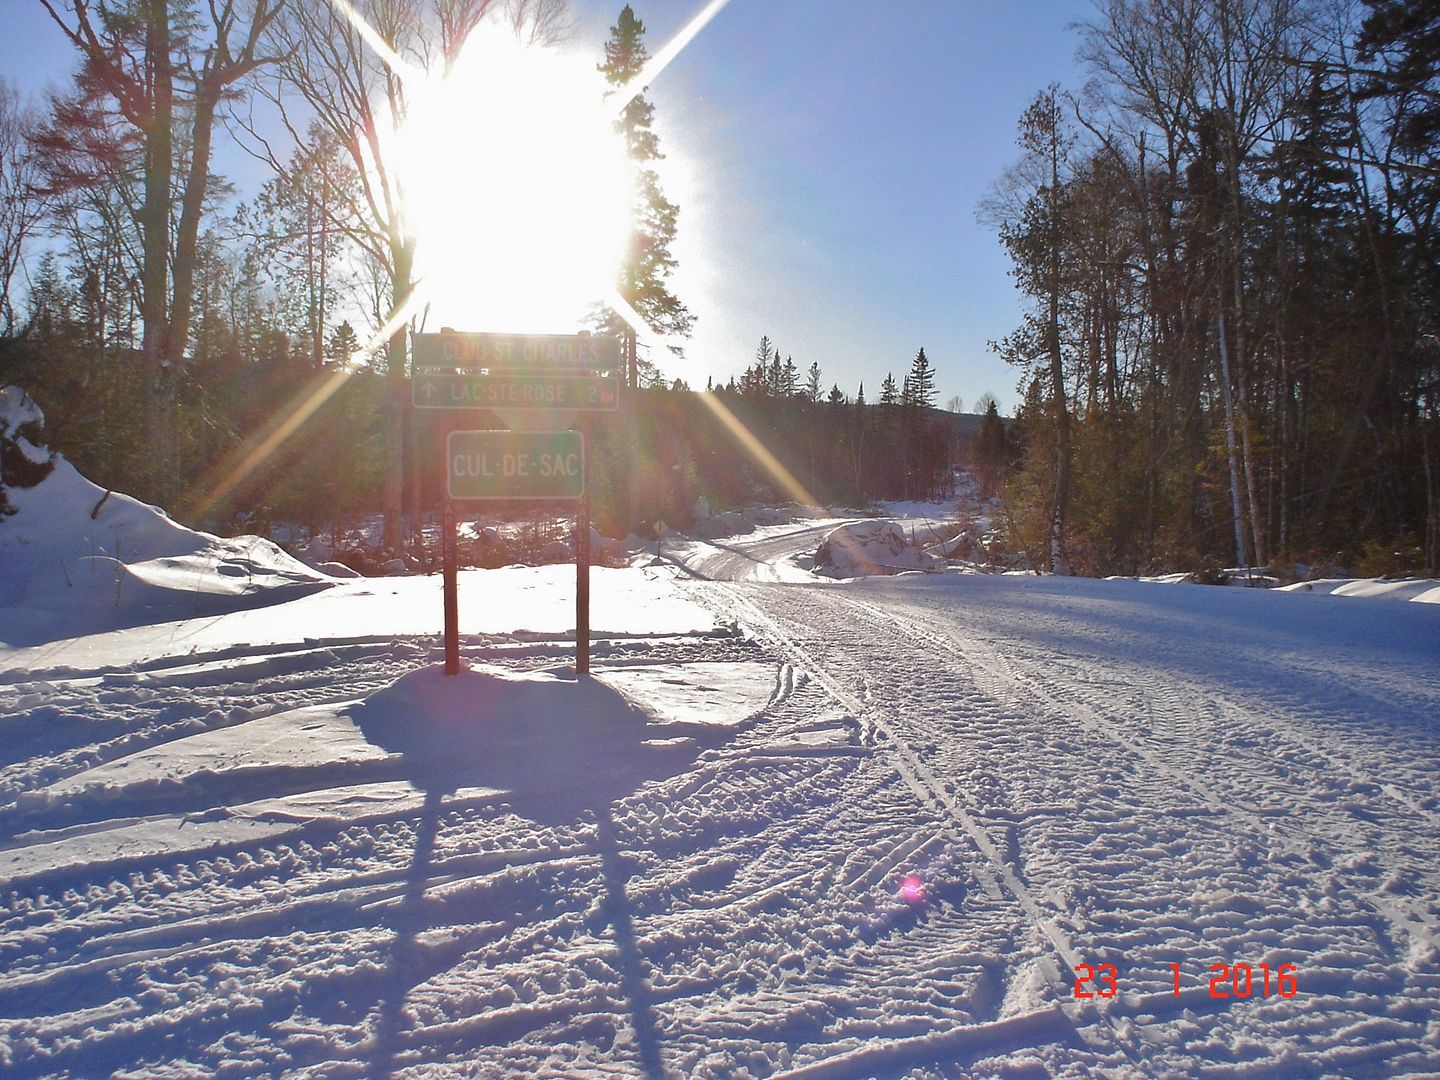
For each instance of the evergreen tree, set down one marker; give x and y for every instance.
(1404, 36)
(789, 378)
(343, 343)
(764, 353)
(889, 395)
(644, 279)
(922, 382)
(991, 450)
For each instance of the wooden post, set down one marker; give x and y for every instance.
(450, 570)
(582, 583)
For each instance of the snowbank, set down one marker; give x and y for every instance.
(726, 523)
(863, 548)
(75, 558)
(1420, 590)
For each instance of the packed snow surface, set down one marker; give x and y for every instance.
(838, 829)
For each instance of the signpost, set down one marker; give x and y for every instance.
(531, 381)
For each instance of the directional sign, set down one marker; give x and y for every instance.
(515, 464)
(516, 352)
(443, 390)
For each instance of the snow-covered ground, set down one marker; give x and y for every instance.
(791, 827)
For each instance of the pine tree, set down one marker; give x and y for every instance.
(764, 353)
(991, 450)
(1404, 36)
(922, 382)
(889, 394)
(789, 378)
(343, 344)
(812, 383)
(644, 279)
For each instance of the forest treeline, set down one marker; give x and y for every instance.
(1228, 246)
(653, 459)
(1227, 242)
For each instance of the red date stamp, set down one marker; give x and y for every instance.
(1237, 981)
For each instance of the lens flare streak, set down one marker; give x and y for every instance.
(393, 60)
(289, 419)
(672, 48)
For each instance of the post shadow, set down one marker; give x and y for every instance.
(403, 970)
(632, 964)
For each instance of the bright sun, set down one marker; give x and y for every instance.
(517, 188)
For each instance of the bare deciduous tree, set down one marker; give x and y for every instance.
(21, 209)
(162, 72)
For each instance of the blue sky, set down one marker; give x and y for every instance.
(839, 150)
(827, 157)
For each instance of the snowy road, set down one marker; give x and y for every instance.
(930, 800)
(1132, 782)
(762, 558)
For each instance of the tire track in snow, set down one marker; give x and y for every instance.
(1248, 869)
(998, 677)
(797, 793)
(1180, 702)
(932, 790)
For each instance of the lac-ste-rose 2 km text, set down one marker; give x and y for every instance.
(1226, 980)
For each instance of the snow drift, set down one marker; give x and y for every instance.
(75, 558)
(864, 548)
(1419, 590)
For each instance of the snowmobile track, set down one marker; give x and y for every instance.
(933, 790)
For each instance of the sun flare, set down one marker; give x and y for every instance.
(517, 187)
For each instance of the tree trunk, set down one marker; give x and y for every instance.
(1235, 504)
(187, 233)
(155, 257)
(397, 400)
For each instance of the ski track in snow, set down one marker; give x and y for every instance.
(740, 908)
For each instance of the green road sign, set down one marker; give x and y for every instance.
(516, 352)
(515, 464)
(441, 390)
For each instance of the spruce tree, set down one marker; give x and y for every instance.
(921, 381)
(889, 394)
(991, 450)
(789, 378)
(644, 279)
(343, 344)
